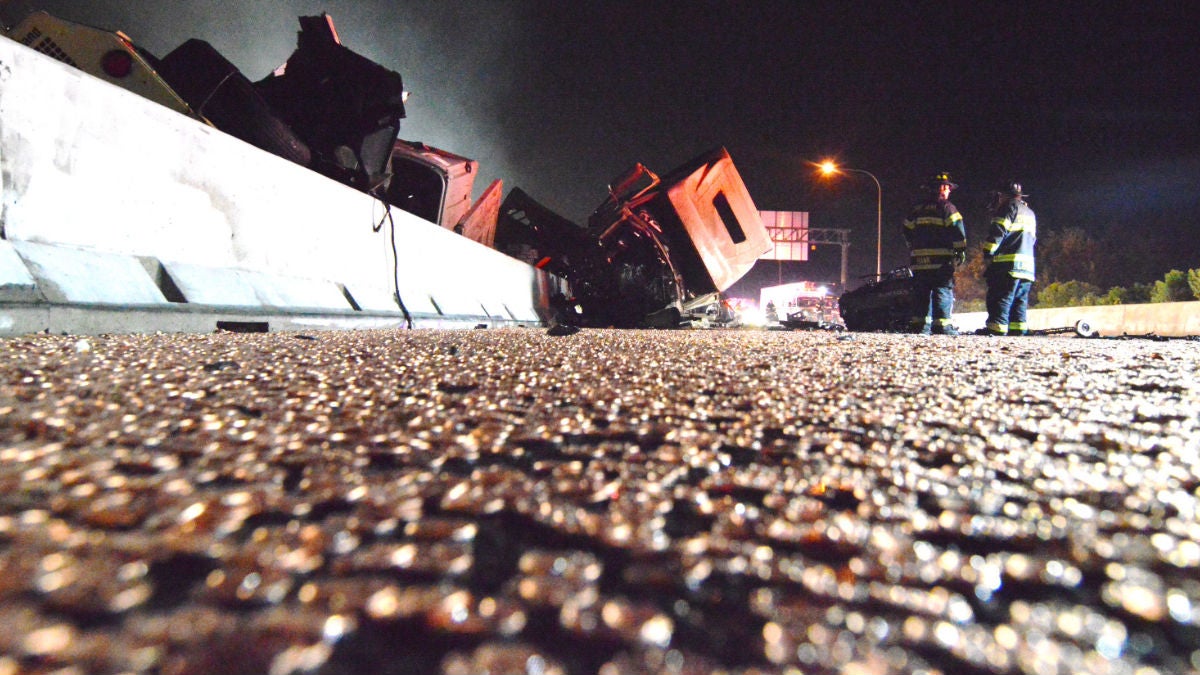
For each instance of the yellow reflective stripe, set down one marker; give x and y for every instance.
(1024, 223)
(932, 251)
(1019, 225)
(990, 247)
(933, 221)
(1014, 257)
(1017, 325)
(955, 217)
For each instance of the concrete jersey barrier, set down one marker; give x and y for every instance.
(1168, 319)
(111, 202)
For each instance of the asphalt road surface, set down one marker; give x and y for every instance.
(511, 501)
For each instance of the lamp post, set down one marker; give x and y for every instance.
(829, 168)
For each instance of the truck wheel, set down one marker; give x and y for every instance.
(216, 89)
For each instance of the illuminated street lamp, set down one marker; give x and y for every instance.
(829, 168)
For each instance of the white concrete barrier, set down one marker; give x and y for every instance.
(16, 283)
(98, 181)
(1168, 319)
(82, 276)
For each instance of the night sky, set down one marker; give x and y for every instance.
(1093, 106)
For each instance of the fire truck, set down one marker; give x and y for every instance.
(803, 304)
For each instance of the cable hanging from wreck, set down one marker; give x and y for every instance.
(387, 215)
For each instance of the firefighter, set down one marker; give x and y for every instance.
(1009, 259)
(937, 243)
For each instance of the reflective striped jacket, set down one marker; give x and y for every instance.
(934, 232)
(1012, 236)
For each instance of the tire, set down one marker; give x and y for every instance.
(216, 89)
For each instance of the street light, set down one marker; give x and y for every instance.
(829, 168)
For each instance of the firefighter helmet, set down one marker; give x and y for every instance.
(1012, 189)
(939, 180)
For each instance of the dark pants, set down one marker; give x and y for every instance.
(1007, 305)
(933, 293)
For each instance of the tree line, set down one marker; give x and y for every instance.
(1077, 268)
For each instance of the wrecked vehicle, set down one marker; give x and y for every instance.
(108, 55)
(881, 304)
(656, 250)
(326, 108)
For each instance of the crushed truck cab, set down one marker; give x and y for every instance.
(653, 252)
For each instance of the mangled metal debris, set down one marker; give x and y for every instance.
(882, 304)
(655, 251)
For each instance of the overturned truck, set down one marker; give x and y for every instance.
(654, 251)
